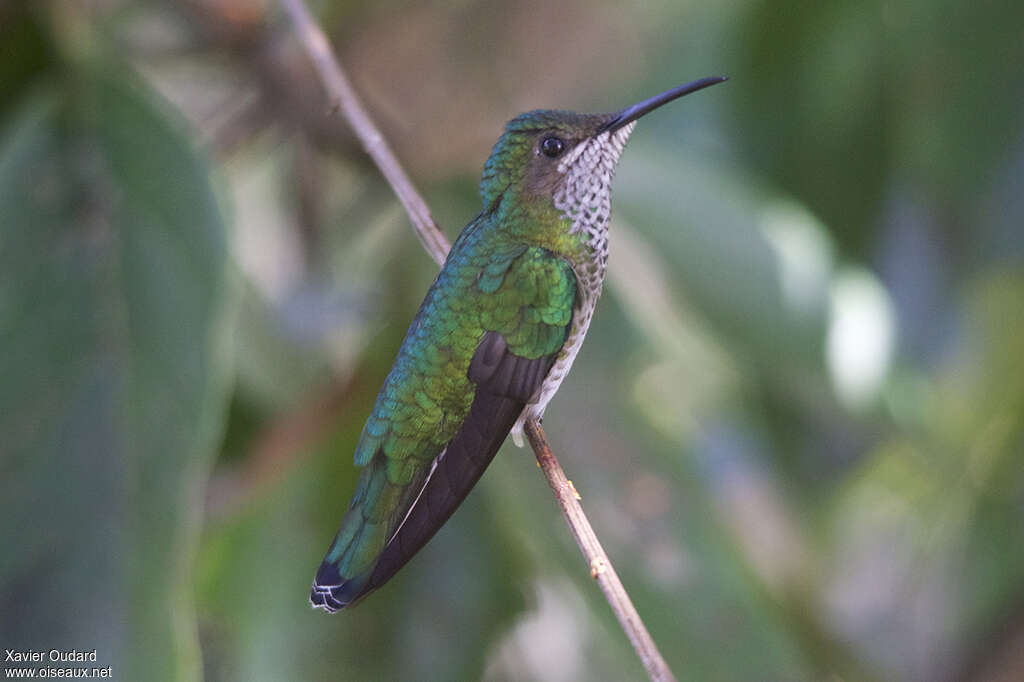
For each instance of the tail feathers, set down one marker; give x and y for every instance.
(331, 592)
(505, 383)
(454, 473)
(365, 531)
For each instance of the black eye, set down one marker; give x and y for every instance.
(552, 146)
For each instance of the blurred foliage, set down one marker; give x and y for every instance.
(797, 423)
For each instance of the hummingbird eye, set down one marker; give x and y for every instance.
(552, 146)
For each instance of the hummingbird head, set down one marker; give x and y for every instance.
(561, 163)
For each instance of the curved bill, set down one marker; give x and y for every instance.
(630, 114)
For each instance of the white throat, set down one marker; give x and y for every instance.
(585, 195)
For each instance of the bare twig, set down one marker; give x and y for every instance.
(343, 97)
(601, 568)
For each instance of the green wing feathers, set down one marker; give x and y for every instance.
(525, 295)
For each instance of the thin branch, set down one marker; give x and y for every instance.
(343, 97)
(601, 568)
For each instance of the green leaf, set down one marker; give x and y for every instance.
(112, 319)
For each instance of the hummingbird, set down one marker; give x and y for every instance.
(492, 341)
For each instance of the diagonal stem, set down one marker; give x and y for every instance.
(343, 97)
(601, 568)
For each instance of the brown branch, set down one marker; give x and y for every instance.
(601, 568)
(284, 92)
(343, 97)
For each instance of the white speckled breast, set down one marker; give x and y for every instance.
(584, 198)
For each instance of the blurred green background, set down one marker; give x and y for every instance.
(797, 423)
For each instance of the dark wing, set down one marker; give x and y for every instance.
(505, 384)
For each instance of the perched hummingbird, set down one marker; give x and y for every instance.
(495, 336)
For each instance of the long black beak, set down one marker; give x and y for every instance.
(630, 114)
